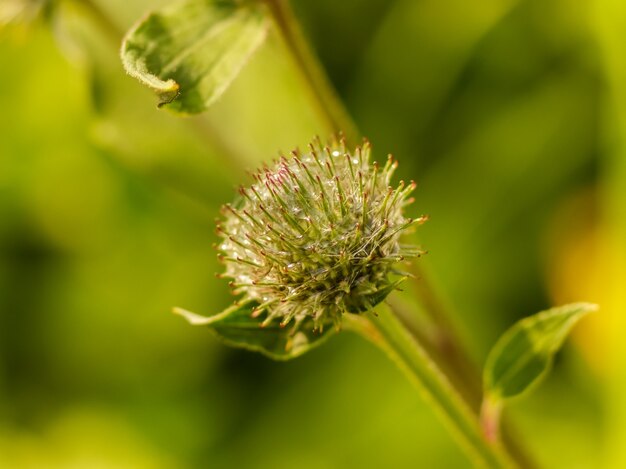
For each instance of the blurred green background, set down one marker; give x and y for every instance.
(510, 114)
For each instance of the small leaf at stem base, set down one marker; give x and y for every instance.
(235, 326)
(523, 356)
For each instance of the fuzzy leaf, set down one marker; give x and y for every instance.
(190, 51)
(524, 353)
(235, 327)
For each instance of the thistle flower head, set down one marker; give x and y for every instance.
(316, 236)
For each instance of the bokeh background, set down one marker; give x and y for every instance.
(511, 115)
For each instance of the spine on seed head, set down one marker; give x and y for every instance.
(316, 235)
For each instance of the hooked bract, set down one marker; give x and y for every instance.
(316, 236)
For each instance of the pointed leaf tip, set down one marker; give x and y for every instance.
(523, 355)
(192, 318)
(236, 327)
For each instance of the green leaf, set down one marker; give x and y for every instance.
(190, 51)
(524, 353)
(365, 302)
(236, 327)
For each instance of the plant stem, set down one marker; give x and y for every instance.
(448, 347)
(448, 342)
(337, 118)
(388, 333)
(443, 345)
(328, 103)
(490, 416)
(450, 353)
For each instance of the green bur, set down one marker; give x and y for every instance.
(315, 237)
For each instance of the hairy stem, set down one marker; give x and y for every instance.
(390, 335)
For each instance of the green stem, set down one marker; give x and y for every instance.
(338, 119)
(447, 342)
(490, 418)
(325, 97)
(443, 345)
(449, 351)
(388, 333)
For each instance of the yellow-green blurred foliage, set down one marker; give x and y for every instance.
(511, 115)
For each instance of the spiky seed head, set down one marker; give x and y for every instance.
(316, 236)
